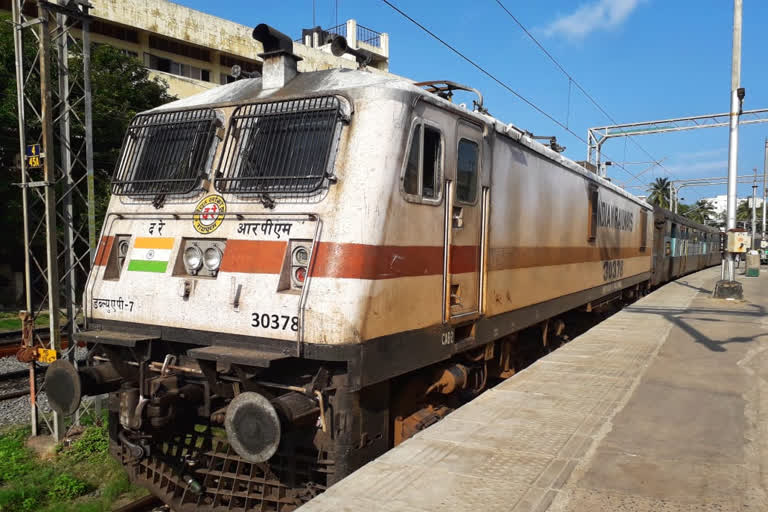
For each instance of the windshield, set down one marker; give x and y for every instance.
(165, 153)
(281, 147)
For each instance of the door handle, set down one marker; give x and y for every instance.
(458, 217)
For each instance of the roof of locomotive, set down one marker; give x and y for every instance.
(348, 81)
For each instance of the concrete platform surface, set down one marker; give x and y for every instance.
(662, 407)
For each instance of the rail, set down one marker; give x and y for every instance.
(362, 35)
(368, 36)
(144, 504)
(339, 30)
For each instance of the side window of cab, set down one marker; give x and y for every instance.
(422, 176)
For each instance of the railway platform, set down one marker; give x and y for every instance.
(662, 407)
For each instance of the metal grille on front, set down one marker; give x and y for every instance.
(227, 481)
(165, 153)
(284, 147)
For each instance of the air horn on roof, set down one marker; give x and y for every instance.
(339, 47)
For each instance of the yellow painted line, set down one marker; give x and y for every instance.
(153, 243)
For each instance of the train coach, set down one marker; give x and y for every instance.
(681, 246)
(298, 271)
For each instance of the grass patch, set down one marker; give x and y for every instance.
(10, 321)
(78, 477)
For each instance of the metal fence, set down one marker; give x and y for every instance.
(368, 36)
(364, 34)
(339, 30)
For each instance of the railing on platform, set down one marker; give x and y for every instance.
(368, 36)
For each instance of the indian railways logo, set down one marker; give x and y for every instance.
(209, 214)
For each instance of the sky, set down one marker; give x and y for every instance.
(640, 60)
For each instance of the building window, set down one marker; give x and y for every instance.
(466, 171)
(423, 169)
(129, 53)
(592, 212)
(248, 66)
(179, 48)
(115, 31)
(176, 68)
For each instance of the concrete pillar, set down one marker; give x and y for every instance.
(384, 38)
(352, 33)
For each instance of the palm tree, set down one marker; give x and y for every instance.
(658, 193)
(744, 212)
(701, 212)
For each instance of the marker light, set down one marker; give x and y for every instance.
(300, 256)
(212, 258)
(300, 273)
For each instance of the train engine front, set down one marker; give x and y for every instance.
(228, 385)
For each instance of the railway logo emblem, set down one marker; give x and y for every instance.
(209, 214)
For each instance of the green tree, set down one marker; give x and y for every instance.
(744, 211)
(744, 214)
(702, 212)
(684, 209)
(658, 192)
(121, 87)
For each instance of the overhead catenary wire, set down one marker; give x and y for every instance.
(575, 82)
(497, 80)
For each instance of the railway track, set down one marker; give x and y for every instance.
(148, 503)
(10, 341)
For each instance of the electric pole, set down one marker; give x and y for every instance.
(754, 212)
(765, 187)
(727, 287)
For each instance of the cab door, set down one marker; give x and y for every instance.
(464, 226)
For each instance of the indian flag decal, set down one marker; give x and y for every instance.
(150, 254)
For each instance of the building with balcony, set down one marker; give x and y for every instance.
(194, 51)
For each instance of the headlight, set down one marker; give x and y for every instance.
(193, 258)
(212, 258)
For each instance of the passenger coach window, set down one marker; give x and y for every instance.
(466, 171)
(422, 171)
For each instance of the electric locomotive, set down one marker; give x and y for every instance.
(300, 270)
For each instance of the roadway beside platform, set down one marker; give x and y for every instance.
(661, 407)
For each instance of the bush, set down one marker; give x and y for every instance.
(67, 487)
(94, 440)
(15, 459)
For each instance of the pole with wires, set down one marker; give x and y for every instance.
(765, 190)
(754, 212)
(728, 287)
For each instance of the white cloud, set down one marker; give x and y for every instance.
(597, 15)
(699, 167)
(705, 153)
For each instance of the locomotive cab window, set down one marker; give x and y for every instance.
(422, 177)
(166, 153)
(466, 171)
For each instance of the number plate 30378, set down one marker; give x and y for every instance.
(46, 355)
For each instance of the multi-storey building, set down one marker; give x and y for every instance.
(194, 51)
